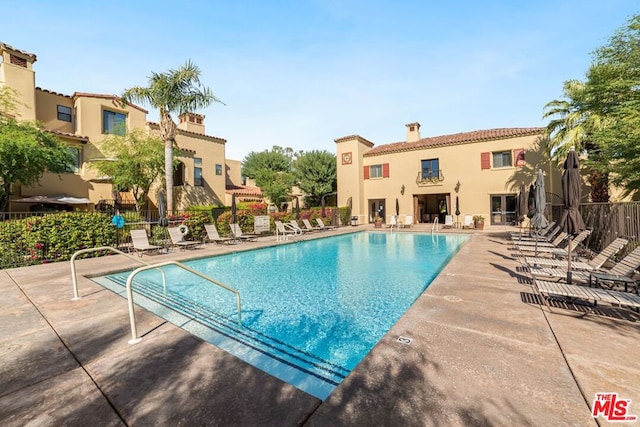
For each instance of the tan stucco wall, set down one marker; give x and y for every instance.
(47, 110)
(22, 80)
(350, 176)
(233, 170)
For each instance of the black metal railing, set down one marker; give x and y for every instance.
(430, 177)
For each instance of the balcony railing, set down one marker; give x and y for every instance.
(430, 178)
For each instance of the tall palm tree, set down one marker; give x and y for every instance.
(176, 91)
(572, 126)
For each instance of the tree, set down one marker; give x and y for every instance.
(315, 173)
(137, 164)
(26, 152)
(277, 160)
(276, 186)
(178, 92)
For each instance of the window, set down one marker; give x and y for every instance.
(218, 169)
(114, 123)
(430, 169)
(76, 163)
(64, 113)
(178, 175)
(197, 171)
(375, 171)
(502, 159)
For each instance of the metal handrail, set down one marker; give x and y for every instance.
(74, 278)
(435, 225)
(132, 316)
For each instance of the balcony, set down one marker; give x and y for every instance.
(429, 178)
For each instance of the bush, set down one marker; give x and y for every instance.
(194, 221)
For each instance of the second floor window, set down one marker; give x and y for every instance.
(430, 168)
(218, 169)
(64, 113)
(76, 164)
(375, 171)
(113, 123)
(502, 159)
(197, 171)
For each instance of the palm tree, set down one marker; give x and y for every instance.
(572, 127)
(175, 91)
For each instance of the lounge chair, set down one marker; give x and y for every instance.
(308, 226)
(141, 242)
(543, 233)
(553, 244)
(593, 264)
(408, 221)
(546, 238)
(468, 221)
(177, 239)
(574, 292)
(283, 231)
(448, 221)
(393, 222)
(554, 249)
(296, 226)
(621, 270)
(324, 227)
(237, 233)
(214, 236)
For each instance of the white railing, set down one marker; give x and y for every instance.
(132, 316)
(435, 225)
(74, 276)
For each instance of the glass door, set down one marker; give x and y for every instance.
(503, 209)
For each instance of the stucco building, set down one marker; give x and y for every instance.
(482, 170)
(83, 119)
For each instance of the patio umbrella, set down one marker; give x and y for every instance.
(521, 205)
(297, 208)
(162, 209)
(397, 207)
(234, 209)
(571, 221)
(539, 221)
(457, 210)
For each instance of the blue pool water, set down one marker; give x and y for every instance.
(310, 310)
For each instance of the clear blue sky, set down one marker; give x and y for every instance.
(301, 73)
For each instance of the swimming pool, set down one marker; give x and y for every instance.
(310, 310)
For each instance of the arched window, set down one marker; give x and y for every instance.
(178, 174)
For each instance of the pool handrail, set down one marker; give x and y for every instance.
(435, 224)
(132, 316)
(74, 277)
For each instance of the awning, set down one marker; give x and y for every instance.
(59, 200)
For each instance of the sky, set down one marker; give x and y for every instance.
(301, 73)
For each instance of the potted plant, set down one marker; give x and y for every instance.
(478, 222)
(377, 221)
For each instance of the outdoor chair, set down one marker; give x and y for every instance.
(393, 222)
(141, 242)
(547, 238)
(468, 221)
(560, 237)
(296, 226)
(283, 231)
(593, 264)
(555, 250)
(324, 227)
(237, 233)
(177, 239)
(573, 293)
(308, 226)
(620, 272)
(448, 221)
(214, 236)
(542, 233)
(408, 221)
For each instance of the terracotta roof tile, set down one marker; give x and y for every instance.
(243, 190)
(358, 137)
(81, 138)
(105, 96)
(454, 139)
(52, 92)
(209, 137)
(8, 47)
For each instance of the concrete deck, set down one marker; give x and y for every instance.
(484, 352)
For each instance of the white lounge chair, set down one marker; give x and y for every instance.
(448, 221)
(283, 231)
(308, 226)
(408, 221)
(177, 239)
(239, 235)
(214, 236)
(593, 264)
(141, 242)
(324, 227)
(468, 221)
(393, 222)
(296, 226)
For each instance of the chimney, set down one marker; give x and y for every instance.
(413, 132)
(191, 122)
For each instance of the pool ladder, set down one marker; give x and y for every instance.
(132, 317)
(435, 225)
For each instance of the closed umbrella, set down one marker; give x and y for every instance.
(234, 211)
(457, 211)
(571, 221)
(521, 205)
(539, 221)
(397, 208)
(297, 208)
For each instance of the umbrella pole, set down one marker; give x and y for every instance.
(569, 278)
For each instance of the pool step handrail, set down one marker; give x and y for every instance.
(74, 276)
(435, 224)
(132, 316)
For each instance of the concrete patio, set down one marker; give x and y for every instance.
(483, 352)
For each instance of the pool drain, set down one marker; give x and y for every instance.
(404, 340)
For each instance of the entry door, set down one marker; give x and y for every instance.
(376, 207)
(503, 209)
